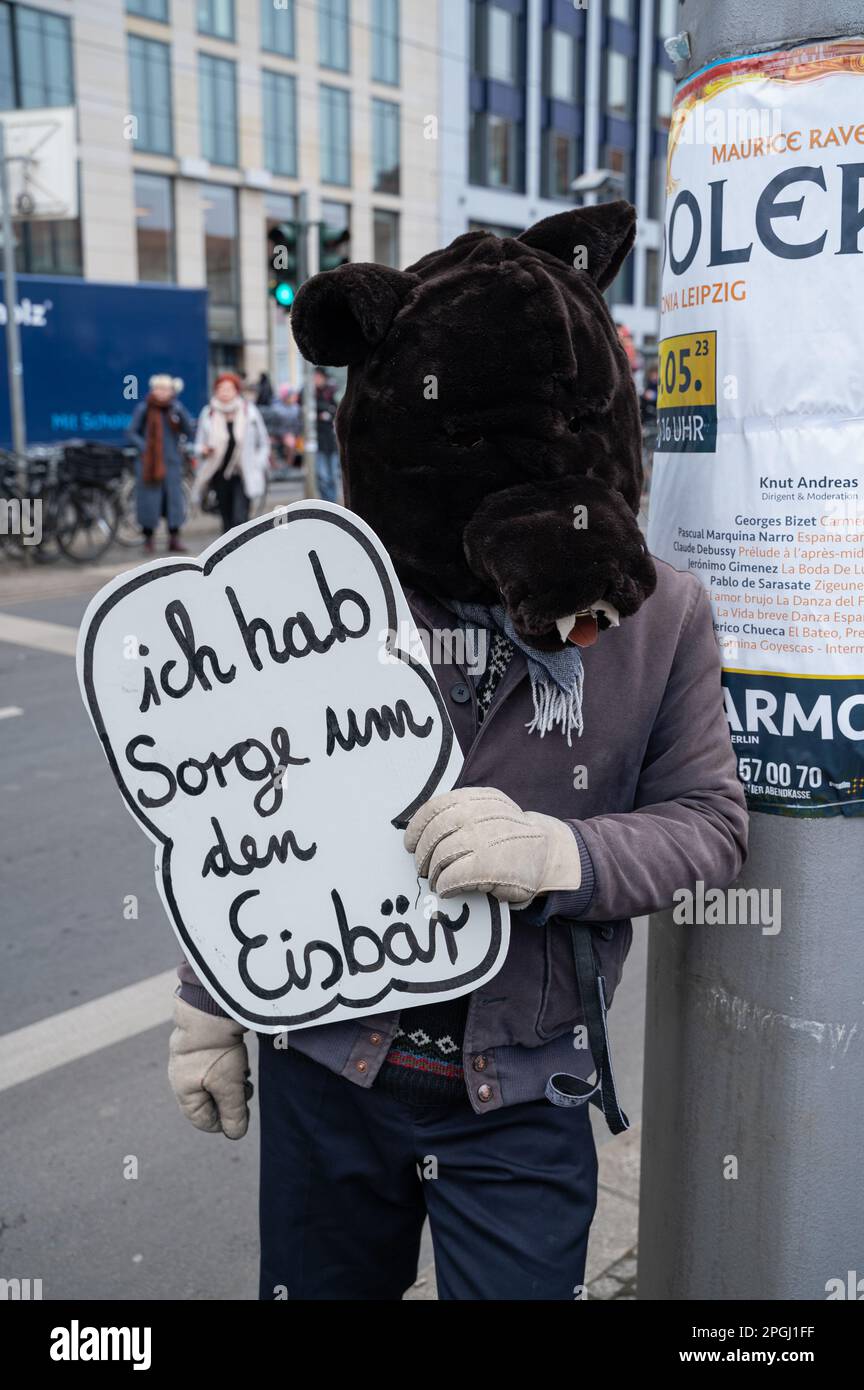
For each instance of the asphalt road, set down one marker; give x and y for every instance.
(107, 1192)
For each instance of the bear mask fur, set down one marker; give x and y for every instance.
(488, 397)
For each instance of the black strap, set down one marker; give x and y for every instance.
(564, 1089)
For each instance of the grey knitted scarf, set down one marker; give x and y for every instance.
(556, 677)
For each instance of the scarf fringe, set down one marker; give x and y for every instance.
(553, 706)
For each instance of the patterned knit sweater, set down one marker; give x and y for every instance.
(424, 1064)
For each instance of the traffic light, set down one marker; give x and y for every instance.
(284, 261)
(334, 245)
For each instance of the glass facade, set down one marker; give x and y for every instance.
(154, 227)
(279, 101)
(334, 44)
(35, 58)
(217, 108)
(335, 135)
(385, 237)
(221, 255)
(561, 164)
(277, 27)
(501, 44)
(150, 91)
(216, 17)
(561, 66)
(36, 70)
(385, 41)
(49, 248)
(666, 23)
(149, 9)
(385, 146)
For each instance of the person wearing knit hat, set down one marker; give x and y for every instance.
(158, 428)
(233, 451)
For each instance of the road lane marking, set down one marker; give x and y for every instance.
(65, 1037)
(10, 712)
(32, 632)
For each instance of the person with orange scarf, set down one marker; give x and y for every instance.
(157, 429)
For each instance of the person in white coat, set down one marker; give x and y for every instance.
(233, 451)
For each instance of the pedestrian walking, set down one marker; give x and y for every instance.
(264, 390)
(233, 449)
(159, 427)
(327, 469)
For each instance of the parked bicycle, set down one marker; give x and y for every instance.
(76, 504)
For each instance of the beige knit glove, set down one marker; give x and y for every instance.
(208, 1069)
(476, 838)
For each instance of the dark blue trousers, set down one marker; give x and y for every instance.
(510, 1195)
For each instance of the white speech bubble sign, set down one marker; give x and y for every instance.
(273, 740)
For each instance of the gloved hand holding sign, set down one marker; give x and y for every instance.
(477, 839)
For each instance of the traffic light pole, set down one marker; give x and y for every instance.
(13, 335)
(753, 1057)
(308, 265)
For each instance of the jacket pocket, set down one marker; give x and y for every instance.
(560, 1002)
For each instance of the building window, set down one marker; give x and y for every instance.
(496, 228)
(617, 84)
(385, 146)
(656, 186)
(49, 248)
(385, 237)
(561, 66)
(333, 39)
(664, 95)
(501, 45)
(495, 151)
(216, 17)
(335, 135)
(154, 224)
(149, 9)
(385, 41)
(35, 58)
(561, 158)
(7, 67)
(619, 160)
(217, 109)
(652, 278)
(279, 208)
(150, 88)
(279, 98)
(219, 206)
(621, 289)
(277, 27)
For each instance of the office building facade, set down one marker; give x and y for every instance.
(200, 123)
(538, 92)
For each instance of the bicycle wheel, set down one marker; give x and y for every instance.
(87, 518)
(128, 530)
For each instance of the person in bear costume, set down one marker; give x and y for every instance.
(490, 435)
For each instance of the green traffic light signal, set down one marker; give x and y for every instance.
(284, 262)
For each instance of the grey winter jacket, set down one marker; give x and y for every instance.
(651, 792)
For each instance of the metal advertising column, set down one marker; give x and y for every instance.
(754, 1116)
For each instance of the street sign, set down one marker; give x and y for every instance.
(41, 157)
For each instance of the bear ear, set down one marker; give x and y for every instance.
(605, 232)
(339, 315)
